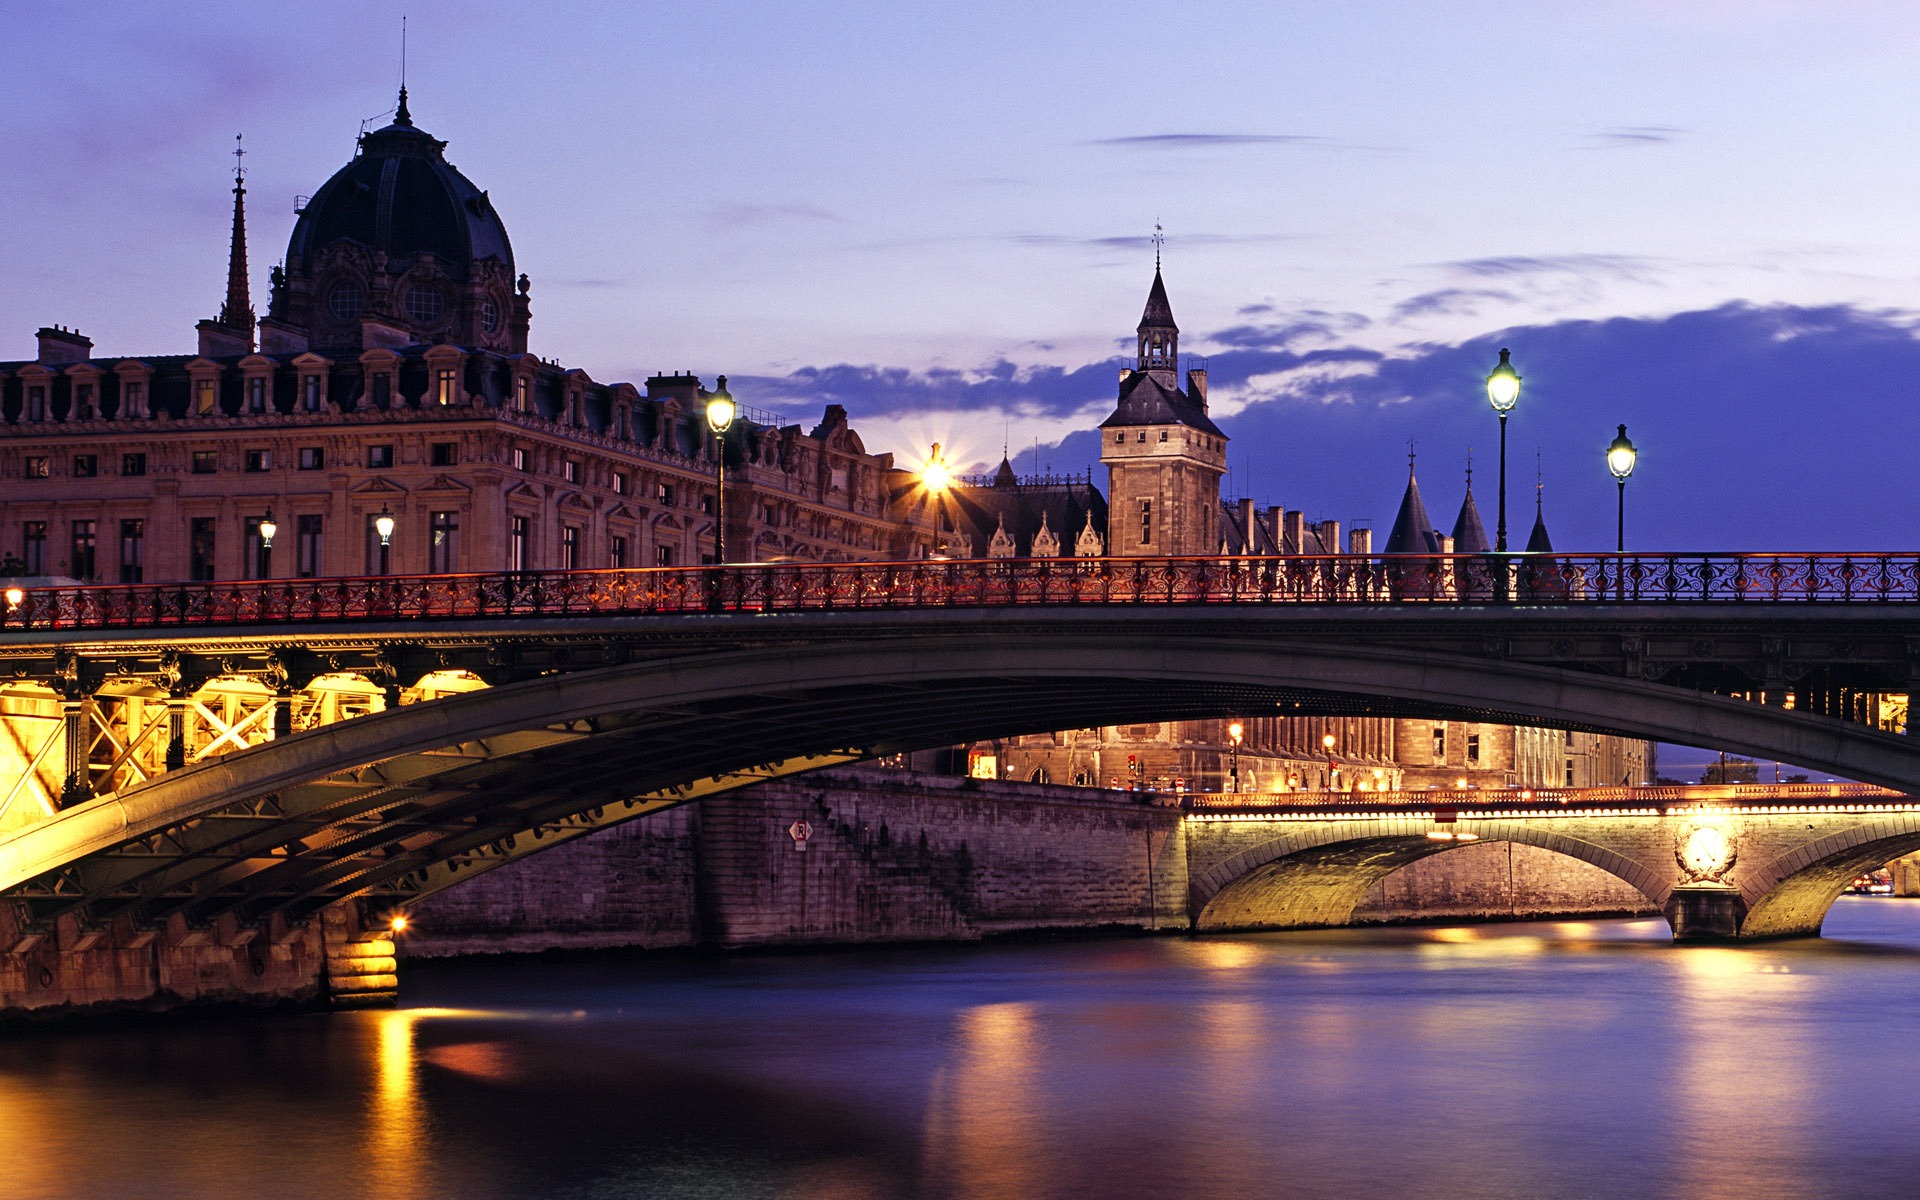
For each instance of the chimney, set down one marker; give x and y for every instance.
(1274, 516)
(1197, 386)
(1296, 539)
(59, 345)
(1360, 542)
(1330, 536)
(1248, 529)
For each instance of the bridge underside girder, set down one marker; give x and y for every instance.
(401, 803)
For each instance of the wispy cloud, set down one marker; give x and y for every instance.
(1629, 136)
(1449, 302)
(1129, 241)
(729, 217)
(1172, 141)
(1586, 266)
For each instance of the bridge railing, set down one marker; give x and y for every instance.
(1558, 579)
(1658, 796)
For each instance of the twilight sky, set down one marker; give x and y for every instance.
(1696, 219)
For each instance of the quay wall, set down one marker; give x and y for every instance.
(905, 856)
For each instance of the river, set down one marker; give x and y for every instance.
(1563, 1059)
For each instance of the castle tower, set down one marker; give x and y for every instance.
(1164, 457)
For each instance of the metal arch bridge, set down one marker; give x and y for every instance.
(616, 693)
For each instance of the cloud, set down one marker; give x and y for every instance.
(1760, 427)
(1448, 302)
(1586, 266)
(1129, 241)
(1166, 141)
(1628, 136)
(729, 217)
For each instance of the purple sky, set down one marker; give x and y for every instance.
(1695, 219)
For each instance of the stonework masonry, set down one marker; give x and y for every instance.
(904, 856)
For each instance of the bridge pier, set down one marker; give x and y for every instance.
(1705, 912)
(67, 967)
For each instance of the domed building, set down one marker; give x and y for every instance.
(397, 248)
(392, 380)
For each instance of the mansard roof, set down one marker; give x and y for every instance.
(1144, 400)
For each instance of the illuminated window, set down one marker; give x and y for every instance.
(203, 396)
(206, 462)
(570, 471)
(569, 548)
(259, 460)
(519, 544)
(36, 466)
(445, 390)
(519, 458)
(1439, 743)
(619, 483)
(313, 458)
(521, 390)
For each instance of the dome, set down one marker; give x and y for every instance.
(401, 236)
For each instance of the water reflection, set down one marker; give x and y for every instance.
(1536, 1061)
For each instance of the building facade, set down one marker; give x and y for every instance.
(391, 385)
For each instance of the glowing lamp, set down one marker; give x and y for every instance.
(268, 527)
(398, 923)
(1503, 386)
(383, 525)
(721, 408)
(1235, 731)
(15, 596)
(1621, 456)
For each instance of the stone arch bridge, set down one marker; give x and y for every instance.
(375, 741)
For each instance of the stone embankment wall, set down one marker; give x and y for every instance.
(904, 856)
(890, 856)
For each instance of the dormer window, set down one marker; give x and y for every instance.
(203, 397)
(256, 395)
(83, 402)
(136, 399)
(36, 404)
(445, 390)
(310, 393)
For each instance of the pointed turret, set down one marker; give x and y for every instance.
(1469, 535)
(1005, 476)
(1538, 542)
(1159, 337)
(1413, 531)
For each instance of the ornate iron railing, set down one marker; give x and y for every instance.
(1744, 795)
(1560, 579)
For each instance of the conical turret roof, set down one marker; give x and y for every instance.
(1469, 535)
(1159, 311)
(1538, 542)
(1412, 527)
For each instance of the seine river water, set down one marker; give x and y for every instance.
(1567, 1059)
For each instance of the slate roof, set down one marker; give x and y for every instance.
(1413, 531)
(1145, 400)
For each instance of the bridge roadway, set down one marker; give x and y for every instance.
(215, 777)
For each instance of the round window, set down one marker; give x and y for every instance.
(424, 305)
(489, 316)
(346, 300)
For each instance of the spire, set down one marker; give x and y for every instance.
(1538, 542)
(237, 312)
(401, 116)
(1412, 527)
(1159, 337)
(1469, 534)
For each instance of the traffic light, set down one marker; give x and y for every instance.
(1133, 764)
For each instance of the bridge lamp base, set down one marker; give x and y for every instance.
(1705, 912)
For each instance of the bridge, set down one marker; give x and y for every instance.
(233, 765)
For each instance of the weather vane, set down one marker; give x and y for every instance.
(239, 153)
(1159, 240)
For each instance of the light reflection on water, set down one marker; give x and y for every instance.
(1544, 1060)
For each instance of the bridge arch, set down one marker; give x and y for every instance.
(409, 800)
(1318, 875)
(1791, 894)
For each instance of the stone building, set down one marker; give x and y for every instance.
(392, 377)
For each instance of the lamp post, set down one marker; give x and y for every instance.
(1327, 743)
(1234, 732)
(268, 527)
(935, 477)
(720, 412)
(1620, 459)
(1503, 392)
(383, 525)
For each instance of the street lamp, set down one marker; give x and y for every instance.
(720, 412)
(1327, 743)
(1620, 459)
(268, 527)
(1503, 392)
(936, 478)
(1234, 733)
(383, 525)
